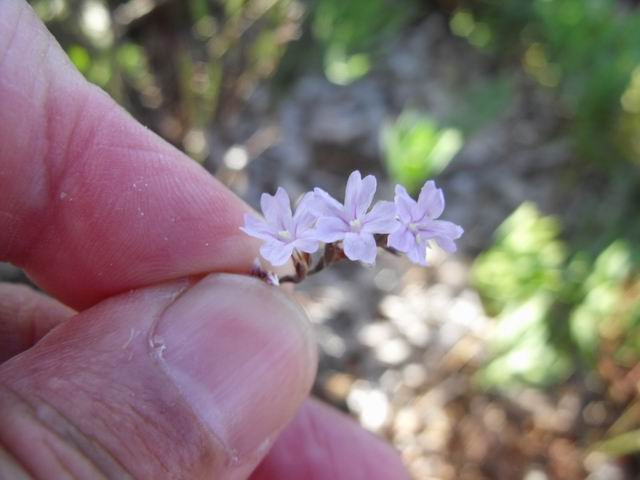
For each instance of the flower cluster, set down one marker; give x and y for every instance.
(353, 229)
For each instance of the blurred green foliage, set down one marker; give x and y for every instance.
(525, 259)
(350, 32)
(481, 103)
(554, 306)
(416, 148)
(586, 50)
(620, 445)
(520, 277)
(177, 66)
(557, 300)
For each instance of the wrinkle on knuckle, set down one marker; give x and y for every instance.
(45, 444)
(115, 430)
(10, 467)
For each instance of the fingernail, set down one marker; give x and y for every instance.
(241, 354)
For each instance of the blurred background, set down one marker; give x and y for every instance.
(516, 358)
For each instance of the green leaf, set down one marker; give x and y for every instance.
(623, 444)
(80, 58)
(416, 149)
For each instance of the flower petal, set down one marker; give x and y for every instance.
(303, 222)
(282, 198)
(365, 195)
(330, 229)
(431, 200)
(360, 246)
(446, 244)
(402, 240)
(304, 218)
(381, 219)
(305, 206)
(405, 205)
(418, 254)
(324, 204)
(444, 233)
(258, 228)
(277, 253)
(269, 208)
(284, 209)
(440, 228)
(351, 194)
(305, 245)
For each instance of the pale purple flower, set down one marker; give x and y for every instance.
(418, 223)
(351, 222)
(282, 231)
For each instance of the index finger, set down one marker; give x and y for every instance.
(91, 202)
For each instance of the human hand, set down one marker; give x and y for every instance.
(146, 365)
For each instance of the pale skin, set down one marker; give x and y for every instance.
(142, 359)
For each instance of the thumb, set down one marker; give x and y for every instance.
(181, 380)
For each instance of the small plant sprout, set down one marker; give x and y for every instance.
(349, 230)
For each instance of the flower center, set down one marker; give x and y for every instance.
(413, 227)
(355, 224)
(284, 235)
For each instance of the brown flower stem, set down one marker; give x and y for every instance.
(392, 251)
(381, 241)
(333, 253)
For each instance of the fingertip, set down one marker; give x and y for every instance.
(247, 377)
(79, 175)
(332, 446)
(195, 377)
